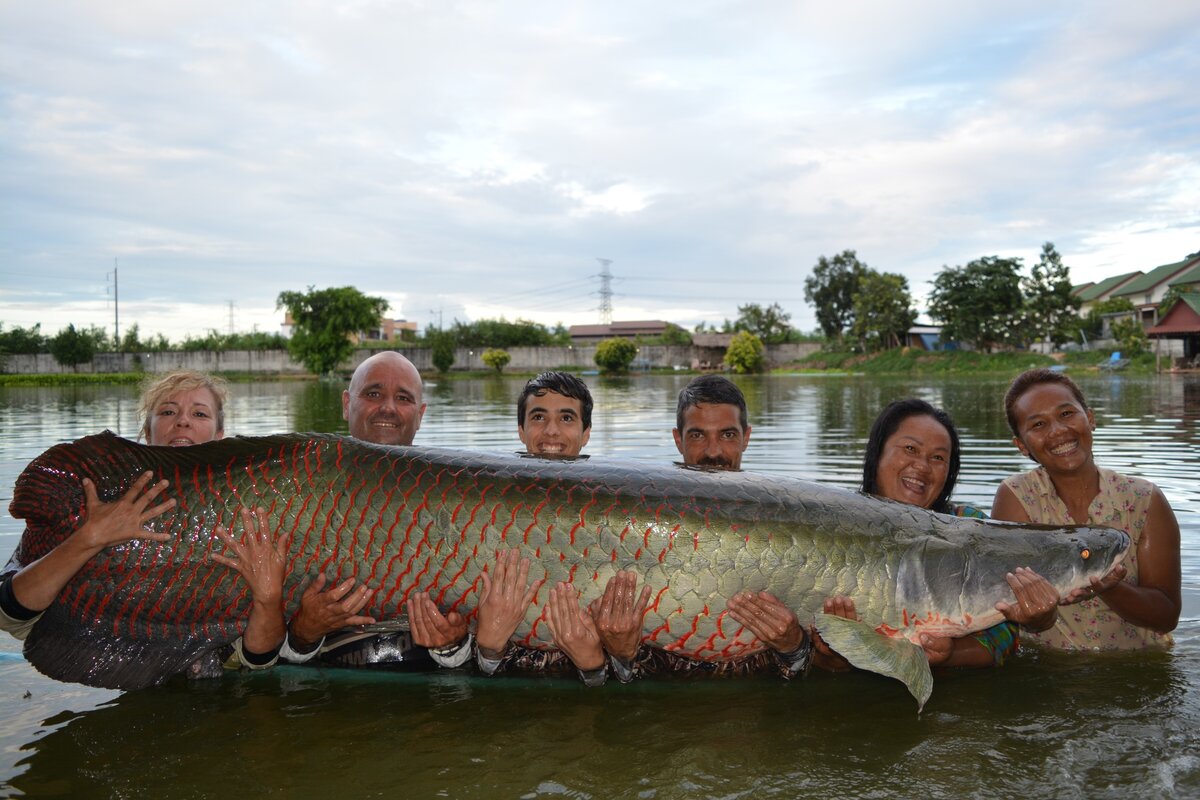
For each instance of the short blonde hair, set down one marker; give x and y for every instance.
(157, 388)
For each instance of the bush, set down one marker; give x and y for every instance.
(495, 358)
(1130, 335)
(746, 353)
(615, 355)
(443, 350)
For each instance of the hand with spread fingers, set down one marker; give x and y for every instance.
(1098, 586)
(618, 615)
(768, 619)
(261, 561)
(573, 628)
(507, 595)
(824, 656)
(323, 611)
(125, 519)
(430, 628)
(1036, 604)
(106, 524)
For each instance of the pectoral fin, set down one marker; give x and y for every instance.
(866, 649)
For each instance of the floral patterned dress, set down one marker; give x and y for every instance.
(1123, 502)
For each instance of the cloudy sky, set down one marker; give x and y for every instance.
(475, 159)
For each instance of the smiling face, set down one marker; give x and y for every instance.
(383, 404)
(915, 462)
(1053, 428)
(712, 436)
(185, 418)
(553, 426)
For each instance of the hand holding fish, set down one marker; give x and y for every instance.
(261, 561)
(1098, 586)
(114, 523)
(823, 655)
(506, 596)
(1036, 605)
(430, 628)
(573, 628)
(768, 619)
(323, 612)
(618, 616)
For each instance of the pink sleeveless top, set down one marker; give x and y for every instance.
(1123, 503)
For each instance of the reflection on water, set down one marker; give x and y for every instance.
(1048, 725)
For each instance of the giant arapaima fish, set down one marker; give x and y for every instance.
(408, 519)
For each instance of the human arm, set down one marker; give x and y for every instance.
(260, 560)
(986, 648)
(1154, 601)
(575, 633)
(618, 615)
(323, 611)
(506, 597)
(824, 656)
(445, 635)
(37, 585)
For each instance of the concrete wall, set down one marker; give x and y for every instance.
(277, 362)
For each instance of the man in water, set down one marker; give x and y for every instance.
(554, 415)
(384, 404)
(711, 427)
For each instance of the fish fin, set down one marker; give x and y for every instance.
(66, 650)
(866, 649)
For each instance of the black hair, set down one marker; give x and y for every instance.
(563, 383)
(1026, 381)
(887, 423)
(712, 389)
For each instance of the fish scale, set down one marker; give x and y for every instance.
(409, 519)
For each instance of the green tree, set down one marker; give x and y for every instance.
(1130, 335)
(323, 321)
(25, 341)
(1049, 304)
(830, 291)
(1092, 324)
(500, 333)
(883, 310)
(980, 303)
(746, 353)
(495, 358)
(770, 324)
(441, 344)
(71, 347)
(1172, 297)
(615, 355)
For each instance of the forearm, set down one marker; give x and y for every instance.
(265, 629)
(968, 651)
(1143, 606)
(37, 585)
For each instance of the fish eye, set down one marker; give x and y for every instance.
(1085, 554)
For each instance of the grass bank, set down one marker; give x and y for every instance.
(921, 362)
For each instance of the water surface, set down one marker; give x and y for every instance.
(1046, 725)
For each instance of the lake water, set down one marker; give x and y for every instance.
(1046, 725)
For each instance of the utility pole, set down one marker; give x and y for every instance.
(438, 311)
(116, 306)
(231, 307)
(605, 291)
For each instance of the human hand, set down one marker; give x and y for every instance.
(256, 557)
(573, 628)
(618, 616)
(506, 597)
(1036, 604)
(429, 627)
(824, 656)
(768, 619)
(122, 520)
(938, 649)
(1098, 586)
(323, 612)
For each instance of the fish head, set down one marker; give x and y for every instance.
(949, 587)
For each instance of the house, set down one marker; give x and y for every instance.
(926, 337)
(389, 330)
(1147, 291)
(1097, 293)
(1182, 321)
(592, 334)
